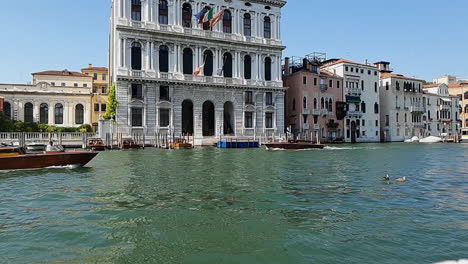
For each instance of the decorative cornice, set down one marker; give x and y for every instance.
(277, 3)
(194, 84)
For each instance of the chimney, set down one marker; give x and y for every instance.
(305, 63)
(367, 62)
(286, 66)
(90, 65)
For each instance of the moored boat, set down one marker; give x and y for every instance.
(294, 145)
(16, 158)
(128, 143)
(180, 143)
(95, 144)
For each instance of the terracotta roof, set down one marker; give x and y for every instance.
(457, 85)
(62, 73)
(95, 69)
(346, 61)
(432, 85)
(328, 73)
(393, 75)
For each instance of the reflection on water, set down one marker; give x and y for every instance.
(242, 206)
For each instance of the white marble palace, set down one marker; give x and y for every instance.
(178, 71)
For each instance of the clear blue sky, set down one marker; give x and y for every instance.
(422, 38)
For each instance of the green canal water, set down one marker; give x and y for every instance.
(242, 206)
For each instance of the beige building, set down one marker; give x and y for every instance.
(447, 79)
(60, 98)
(461, 91)
(101, 86)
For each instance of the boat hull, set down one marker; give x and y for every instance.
(38, 161)
(293, 146)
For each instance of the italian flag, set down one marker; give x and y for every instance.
(199, 70)
(207, 17)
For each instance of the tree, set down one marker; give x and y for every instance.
(112, 104)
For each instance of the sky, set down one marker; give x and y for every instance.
(421, 38)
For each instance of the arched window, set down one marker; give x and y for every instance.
(227, 22)
(267, 69)
(315, 103)
(304, 102)
(247, 25)
(267, 27)
(330, 105)
(362, 85)
(326, 104)
(376, 108)
(406, 117)
(208, 58)
(375, 86)
(44, 114)
(397, 117)
(163, 58)
(28, 113)
(247, 67)
(363, 107)
(163, 12)
(322, 103)
(58, 114)
(136, 56)
(136, 10)
(227, 66)
(187, 15)
(79, 114)
(7, 109)
(187, 61)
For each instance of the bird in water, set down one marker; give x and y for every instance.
(401, 179)
(387, 178)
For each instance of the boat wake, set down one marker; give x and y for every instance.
(347, 148)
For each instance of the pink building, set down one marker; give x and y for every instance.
(314, 101)
(1, 104)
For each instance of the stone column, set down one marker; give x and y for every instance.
(198, 120)
(128, 10)
(51, 113)
(155, 12)
(172, 14)
(156, 57)
(172, 64)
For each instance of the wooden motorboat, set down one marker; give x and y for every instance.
(294, 145)
(180, 143)
(15, 158)
(95, 144)
(128, 143)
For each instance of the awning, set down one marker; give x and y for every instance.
(446, 100)
(353, 99)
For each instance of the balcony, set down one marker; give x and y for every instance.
(355, 91)
(306, 111)
(355, 114)
(136, 73)
(419, 109)
(324, 112)
(305, 126)
(249, 102)
(197, 79)
(316, 127)
(196, 32)
(316, 112)
(323, 87)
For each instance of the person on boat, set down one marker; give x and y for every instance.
(53, 148)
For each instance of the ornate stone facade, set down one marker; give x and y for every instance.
(156, 46)
(59, 98)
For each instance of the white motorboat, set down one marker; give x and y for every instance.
(431, 139)
(412, 140)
